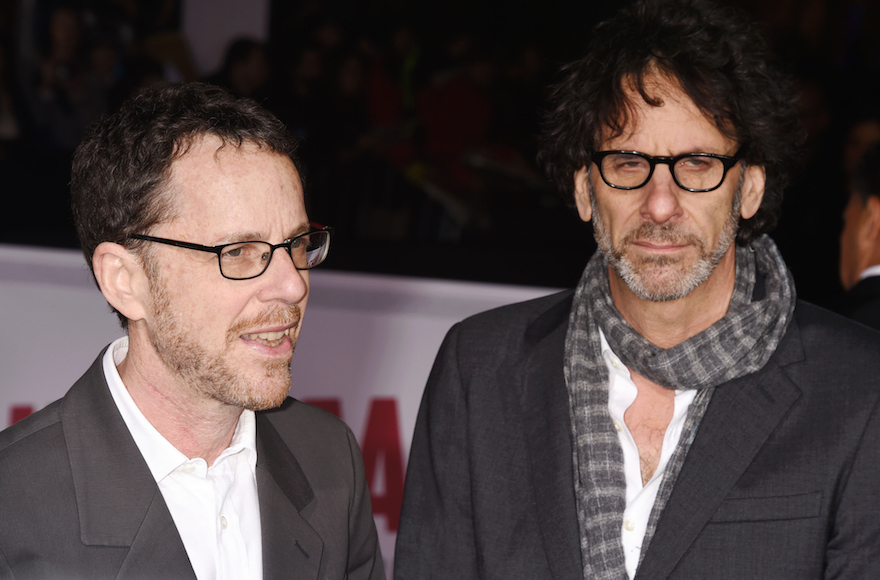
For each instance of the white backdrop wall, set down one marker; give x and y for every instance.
(365, 351)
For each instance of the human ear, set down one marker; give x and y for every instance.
(120, 277)
(582, 193)
(752, 192)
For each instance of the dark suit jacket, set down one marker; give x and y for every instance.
(77, 500)
(862, 302)
(782, 480)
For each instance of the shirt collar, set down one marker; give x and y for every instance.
(870, 271)
(612, 361)
(160, 455)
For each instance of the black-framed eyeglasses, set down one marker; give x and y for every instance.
(697, 172)
(249, 259)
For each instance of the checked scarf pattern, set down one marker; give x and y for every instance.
(739, 344)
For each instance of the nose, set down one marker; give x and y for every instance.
(661, 202)
(282, 281)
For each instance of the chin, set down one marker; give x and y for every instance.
(273, 391)
(262, 397)
(663, 282)
(260, 388)
(265, 403)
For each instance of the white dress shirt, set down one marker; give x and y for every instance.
(639, 499)
(215, 509)
(870, 271)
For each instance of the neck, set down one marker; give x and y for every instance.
(667, 324)
(195, 424)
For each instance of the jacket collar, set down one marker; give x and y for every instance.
(119, 503)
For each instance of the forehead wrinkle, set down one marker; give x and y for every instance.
(635, 137)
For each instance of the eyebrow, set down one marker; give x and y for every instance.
(303, 228)
(255, 236)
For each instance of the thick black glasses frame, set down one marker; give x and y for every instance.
(726, 161)
(218, 250)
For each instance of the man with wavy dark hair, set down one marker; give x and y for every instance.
(178, 454)
(679, 414)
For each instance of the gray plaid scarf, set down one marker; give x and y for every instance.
(738, 344)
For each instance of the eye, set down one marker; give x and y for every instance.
(696, 163)
(244, 251)
(628, 163)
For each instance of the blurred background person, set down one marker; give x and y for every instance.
(860, 244)
(246, 71)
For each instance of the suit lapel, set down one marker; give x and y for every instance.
(545, 418)
(157, 550)
(291, 547)
(740, 418)
(118, 501)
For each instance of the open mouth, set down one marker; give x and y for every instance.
(269, 338)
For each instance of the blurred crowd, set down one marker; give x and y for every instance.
(418, 135)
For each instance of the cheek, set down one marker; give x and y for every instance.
(618, 217)
(206, 304)
(711, 219)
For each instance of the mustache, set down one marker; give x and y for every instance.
(276, 316)
(661, 233)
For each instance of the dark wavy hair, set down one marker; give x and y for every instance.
(119, 181)
(719, 60)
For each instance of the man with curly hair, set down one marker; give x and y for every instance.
(679, 414)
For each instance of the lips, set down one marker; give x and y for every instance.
(657, 246)
(270, 328)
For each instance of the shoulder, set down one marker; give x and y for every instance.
(79, 403)
(318, 439)
(828, 355)
(297, 420)
(827, 334)
(483, 349)
(509, 327)
(521, 314)
(31, 432)
(862, 302)
(36, 482)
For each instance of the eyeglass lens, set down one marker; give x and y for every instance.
(250, 259)
(692, 171)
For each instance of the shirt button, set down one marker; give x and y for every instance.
(618, 426)
(615, 364)
(223, 522)
(188, 468)
(629, 525)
